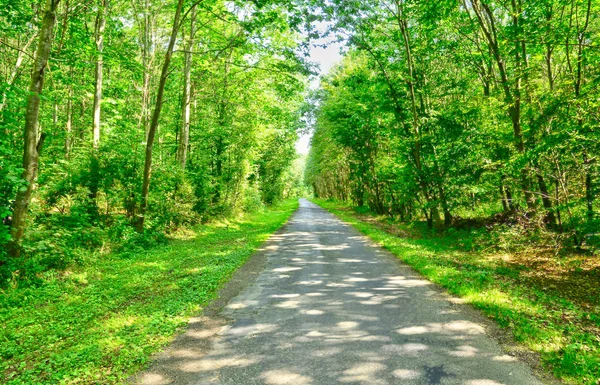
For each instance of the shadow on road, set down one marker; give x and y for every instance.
(331, 309)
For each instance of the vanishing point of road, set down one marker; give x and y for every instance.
(327, 308)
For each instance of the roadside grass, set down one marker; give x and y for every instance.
(563, 330)
(99, 323)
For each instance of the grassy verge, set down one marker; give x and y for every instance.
(564, 331)
(101, 322)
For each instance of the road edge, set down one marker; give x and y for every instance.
(202, 330)
(503, 337)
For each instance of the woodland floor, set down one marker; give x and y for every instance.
(569, 274)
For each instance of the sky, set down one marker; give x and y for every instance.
(326, 58)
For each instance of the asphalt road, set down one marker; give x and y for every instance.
(329, 308)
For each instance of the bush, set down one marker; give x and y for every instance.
(253, 200)
(172, 202)
(131, 242)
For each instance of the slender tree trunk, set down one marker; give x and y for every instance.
(55, 115)
(589, 192)
(506, 194)
(557, 199)
(441, 190)
(82, 113)
(32, 146)
(503, 198)
(95, 161)
(13, 75)
(589, 187)
(100, 27)
(156, 116)
(184, 137)
(550, 217)
(147, 62)
(69, 125)
(403, 26)
(520, 57)
(218, 169)
(411, 84)
(509, 198)
(549, 73)
(144, 119)
(577, 74)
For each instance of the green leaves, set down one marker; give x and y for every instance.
(483, 101)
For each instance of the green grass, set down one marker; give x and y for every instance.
(566, 335)
(100, 323)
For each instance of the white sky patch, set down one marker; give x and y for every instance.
(326, 57)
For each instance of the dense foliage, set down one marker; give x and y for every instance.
(213, 116)
(453, 109)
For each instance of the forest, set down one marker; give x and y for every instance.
(138, 118)
(452, 110)
(141, 137)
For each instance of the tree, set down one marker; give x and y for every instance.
(156, 115)
(184, 135)
(482, 99)
(32, 140)
(100, 26)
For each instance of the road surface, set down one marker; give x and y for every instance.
(330, 308)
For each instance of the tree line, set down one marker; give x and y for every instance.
(460, 108)
(140, 114)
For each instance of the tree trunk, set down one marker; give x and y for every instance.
(509, 198)
(31, 145)
(581, 35)
(156, 116)
(69, 125)
(147, 63)
(13, 75)
(589, 187)
(416, 150)
(184, 137)
(94, 161)
(557, 199)
(55, 115)
(100, 27)
(411, 85)
(550, 217)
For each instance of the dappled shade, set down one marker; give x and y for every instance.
(355, 317)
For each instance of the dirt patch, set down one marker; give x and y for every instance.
(573, 277)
